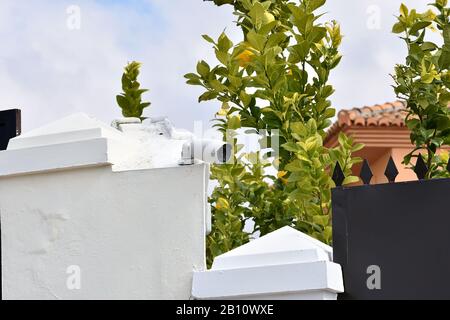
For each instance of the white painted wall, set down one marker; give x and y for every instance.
(134, 234)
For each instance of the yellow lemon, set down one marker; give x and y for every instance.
(222, 113)
(268, 18)
(245, 58)
(222, 203)
(444, 156)
(280, 176)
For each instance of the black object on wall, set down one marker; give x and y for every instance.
(393, 240)
(10, 126)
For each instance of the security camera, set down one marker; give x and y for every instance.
(207, 150)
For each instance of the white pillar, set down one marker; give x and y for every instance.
(285, 264)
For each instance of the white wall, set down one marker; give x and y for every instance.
(134, 234)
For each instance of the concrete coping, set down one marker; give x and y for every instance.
(72, 142)
(285, 264)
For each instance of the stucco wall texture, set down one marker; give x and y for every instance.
(132, 234)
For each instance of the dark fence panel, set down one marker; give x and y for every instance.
(393, 240)
(10, 126)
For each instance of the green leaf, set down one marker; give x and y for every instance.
(427, 78)
(217, 85)
(203, 69)
(208, 95)
(317, 34)
(446, 34)
(358, 146)
(412, 123)
(321, 220)
(257, 41)
(342, 139)
(404, 10)
(329, 113)
(122, 101)
(299, 128)
(444, 60)
(419, 26)
(399, 27)
(350, 179)
(191, 76)
(428, 46)
(208, 38)
(194, 82)
(222, 56)
(301, 50)
(234, 123)
(224, 44)
(315, 4)
(257, 14)
(291, 147)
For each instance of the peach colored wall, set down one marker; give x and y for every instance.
(378, 167)
(405, 174)
(379, 164)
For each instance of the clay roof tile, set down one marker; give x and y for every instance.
(399, 122)
(385, 121)
(372, 122)
(359, 121)
(380, 115)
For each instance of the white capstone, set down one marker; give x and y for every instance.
(285, 264)
(81, 141)
(72, 142)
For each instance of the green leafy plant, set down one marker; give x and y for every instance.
(130, 101)
(424, 81)
(275, 80)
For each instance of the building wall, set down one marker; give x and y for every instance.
(405, 174)
(378, 167)
(133, 234)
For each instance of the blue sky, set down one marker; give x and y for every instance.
(50, 71)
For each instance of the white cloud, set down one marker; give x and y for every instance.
(370, 54)
(50, 71)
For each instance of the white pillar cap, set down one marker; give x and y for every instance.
(285, 263)
(74, 141)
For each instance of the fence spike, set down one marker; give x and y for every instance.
(391, 171)
(420, 168)
(448, 166)
(366, 173)
(338, 175)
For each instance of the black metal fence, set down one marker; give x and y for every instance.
(392, 240)
(391, 171)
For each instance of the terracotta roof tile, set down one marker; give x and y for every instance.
(390, 114)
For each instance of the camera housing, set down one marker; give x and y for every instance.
(207, 150)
